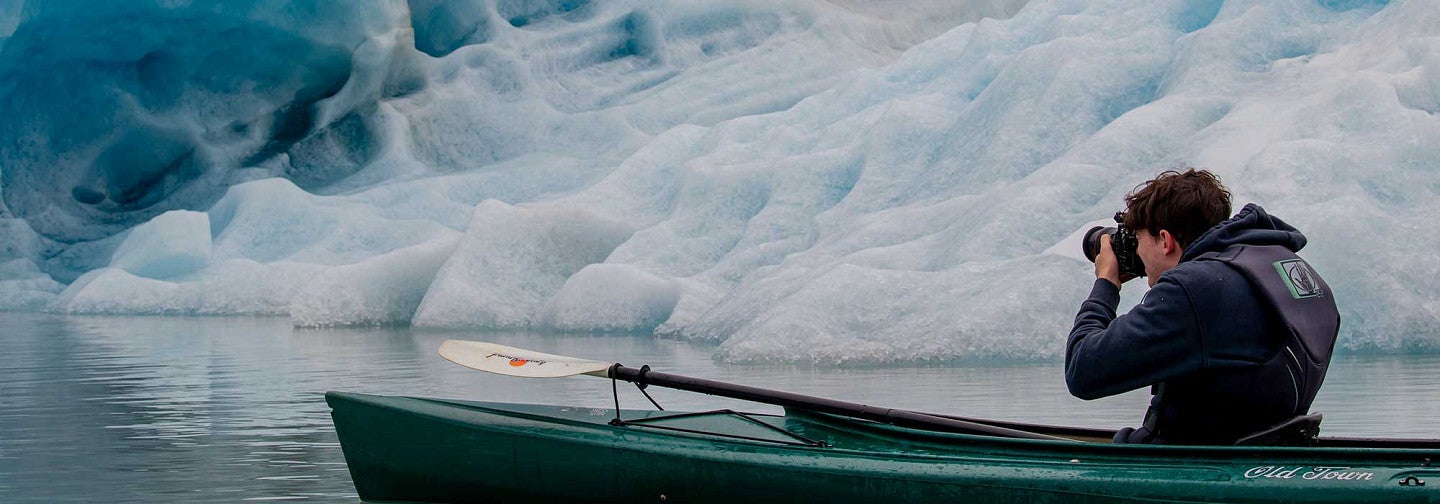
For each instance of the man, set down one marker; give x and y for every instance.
(1235, 333)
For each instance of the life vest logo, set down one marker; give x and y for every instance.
(1299, 278)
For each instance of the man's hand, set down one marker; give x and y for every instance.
(1106, 266)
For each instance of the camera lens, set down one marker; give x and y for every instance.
(1091, 245)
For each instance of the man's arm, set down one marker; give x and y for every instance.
(1157, 340)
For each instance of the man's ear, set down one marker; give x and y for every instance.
(1168, 243)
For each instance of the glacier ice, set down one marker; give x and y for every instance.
(271, 245)
(25, 287)
(818, 181)
(172, 244)
(385, 289)
(511, 260)
(611, 298)
(119, 111)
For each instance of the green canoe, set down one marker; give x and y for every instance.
(409, 449)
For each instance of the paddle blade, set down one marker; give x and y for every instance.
(513, 361)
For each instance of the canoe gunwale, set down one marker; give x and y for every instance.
(1424, 452)
(1351, 448)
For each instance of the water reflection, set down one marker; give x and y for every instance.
(142, 409)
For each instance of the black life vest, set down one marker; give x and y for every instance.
(1219, 407)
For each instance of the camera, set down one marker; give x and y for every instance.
(1122, 241)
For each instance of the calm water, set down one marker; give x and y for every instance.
(140, 409)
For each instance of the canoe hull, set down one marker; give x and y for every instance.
(423, 450)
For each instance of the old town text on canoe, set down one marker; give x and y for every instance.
(1310, 473)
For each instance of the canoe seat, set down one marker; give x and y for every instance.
(1298, 431)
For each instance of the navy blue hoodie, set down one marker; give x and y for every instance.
(1201, 324)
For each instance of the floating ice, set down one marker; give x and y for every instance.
(116, 291)
(511, 261)
(273, 246)
(385, 289)
(25, 287)
(822, 181)
(173, 244)
(611, 298)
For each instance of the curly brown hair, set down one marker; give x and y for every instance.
(1185, 203)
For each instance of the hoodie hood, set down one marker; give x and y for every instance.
(1250, 226)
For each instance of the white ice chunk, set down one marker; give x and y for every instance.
(612, 298)
(853, 314)
(231, 287)
(512, 260)
(385, 289)
(273, 220)
(172, 244)
(24, 287)
(116, 291)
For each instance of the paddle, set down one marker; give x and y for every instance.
(513, 361)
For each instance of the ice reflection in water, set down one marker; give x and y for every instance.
(147, 409)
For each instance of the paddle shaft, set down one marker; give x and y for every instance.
(897, 417)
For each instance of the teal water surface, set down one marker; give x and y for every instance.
(159, 409)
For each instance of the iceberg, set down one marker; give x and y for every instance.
(25, 287)
(804, 181)
(511, 261)
(611, 298)
(172, 244)
(383, 290)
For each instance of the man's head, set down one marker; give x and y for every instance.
(1170, 211)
